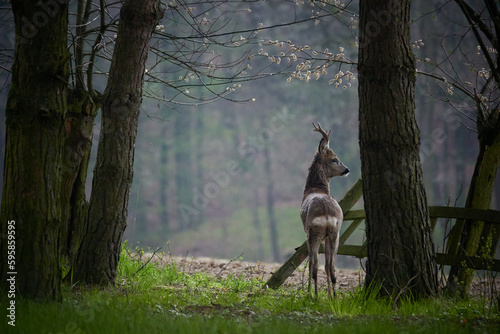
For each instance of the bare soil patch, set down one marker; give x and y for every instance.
(347, 279)
(224, 268)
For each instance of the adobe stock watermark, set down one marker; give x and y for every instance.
(378, 20)
(428, 146)
(11, 273)
(30, 26)
(72, 327)
(79, 132)
(248, 150)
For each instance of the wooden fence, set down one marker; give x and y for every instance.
(353, 218)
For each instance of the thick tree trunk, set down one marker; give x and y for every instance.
(98, 257)
(35, 114)
(400, 248)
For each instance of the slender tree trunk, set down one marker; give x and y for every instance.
(199, 148)
(164, 180)
(497, 195)
(273, 228)
(35, 113)
(467, 237)
(184, 172)
(98, 257)
(83, 105)
(473, 236)
(400, 248)
(255, 219)
(79, 125)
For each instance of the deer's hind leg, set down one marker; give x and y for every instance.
(330, 252)
(313, 243)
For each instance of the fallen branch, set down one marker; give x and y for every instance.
(149, 260)
(231, 261)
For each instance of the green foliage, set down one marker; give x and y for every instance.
(153, 297)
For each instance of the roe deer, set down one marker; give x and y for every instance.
(320, 212)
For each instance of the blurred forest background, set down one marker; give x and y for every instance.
(225, 178)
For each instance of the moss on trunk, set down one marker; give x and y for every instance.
(469, 238)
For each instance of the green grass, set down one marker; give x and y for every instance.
(165, 299)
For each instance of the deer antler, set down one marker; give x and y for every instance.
(326, 135)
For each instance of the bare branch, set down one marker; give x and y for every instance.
(471, 17)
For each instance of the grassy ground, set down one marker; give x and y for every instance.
(158, 299)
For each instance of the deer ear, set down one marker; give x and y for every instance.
(323, 146)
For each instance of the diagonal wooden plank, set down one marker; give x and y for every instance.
(349, 231)
(279, 277)
(354, 214)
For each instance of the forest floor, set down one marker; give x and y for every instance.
(347, 279)
(158, 293)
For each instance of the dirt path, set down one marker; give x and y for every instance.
(347, 279)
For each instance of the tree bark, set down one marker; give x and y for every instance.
(79, 125)
(35, 113)
(467, 238)
(400, 249)
(98, 256)
(83, 105)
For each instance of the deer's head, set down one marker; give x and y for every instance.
(327, 159)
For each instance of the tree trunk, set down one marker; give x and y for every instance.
(83, 105)
(79, 125)
(400, 248)
(273, 228)
(467, 238)
(187, 215)
(199, 153)
(98, 257)
(35, 113)
(255, 219)
(164, 180)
